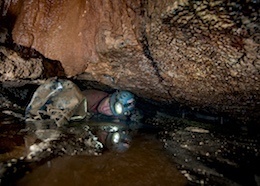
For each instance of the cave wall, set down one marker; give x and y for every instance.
(200, 53)
(207, 52)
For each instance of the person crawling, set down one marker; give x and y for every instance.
(62, 103)
(63, 120)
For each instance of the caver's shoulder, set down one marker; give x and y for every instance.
(94, 93)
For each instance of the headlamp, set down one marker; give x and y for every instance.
(118, 108)
(122, 103)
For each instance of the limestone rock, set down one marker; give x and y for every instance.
(13, 66)
(201, 53)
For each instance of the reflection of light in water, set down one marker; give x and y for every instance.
(145, 163)
(116, 137)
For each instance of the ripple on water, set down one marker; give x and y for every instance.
(145, 163)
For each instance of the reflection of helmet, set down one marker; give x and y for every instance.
(118, 141)
(122, 103)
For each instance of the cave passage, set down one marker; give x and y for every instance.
(177, 146)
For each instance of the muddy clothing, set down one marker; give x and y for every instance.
(94, 99)
(59, 100)
(62, 101)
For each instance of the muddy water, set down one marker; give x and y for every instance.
(145, 163)
(11, 140)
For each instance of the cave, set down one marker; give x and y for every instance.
(193, 67)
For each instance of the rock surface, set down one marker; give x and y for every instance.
(208, 154)
(201, 53)
(13, 66)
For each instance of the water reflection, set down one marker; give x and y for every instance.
(11, 140)
(145, 163)
(115, 135)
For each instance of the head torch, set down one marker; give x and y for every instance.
(122, 103)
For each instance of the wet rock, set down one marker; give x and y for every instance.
(210, 154)
(46, 144)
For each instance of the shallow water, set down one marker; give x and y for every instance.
(145, 163)
(11, 140)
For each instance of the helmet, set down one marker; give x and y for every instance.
(122, 103)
